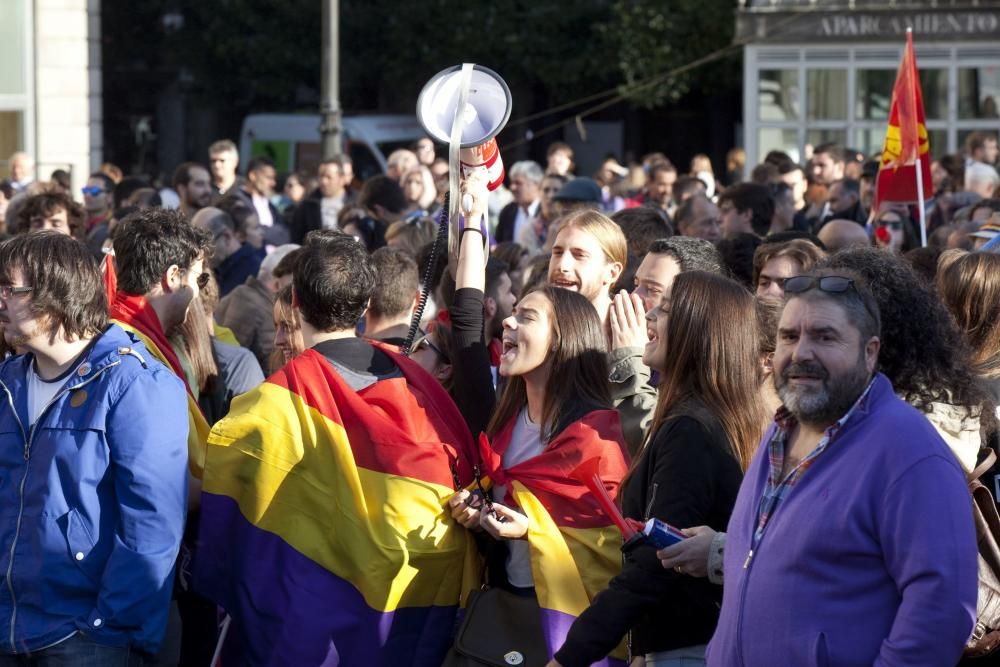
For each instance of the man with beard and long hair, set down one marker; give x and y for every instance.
(852, 540)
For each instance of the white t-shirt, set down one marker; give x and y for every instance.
(330, 208)
(525, 443)
(40, 392)
(262, 205)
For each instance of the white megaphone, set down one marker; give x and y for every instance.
(466, 106)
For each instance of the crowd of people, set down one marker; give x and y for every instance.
(226, 438)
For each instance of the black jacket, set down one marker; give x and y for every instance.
(505, 223)
(308, 215)
(688, 476)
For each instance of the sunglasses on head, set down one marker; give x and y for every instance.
(831, 284)
(92, 190)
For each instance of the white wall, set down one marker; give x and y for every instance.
(68, 119)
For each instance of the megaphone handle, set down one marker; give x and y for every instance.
(455, 144)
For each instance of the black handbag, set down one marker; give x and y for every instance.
(499, 629)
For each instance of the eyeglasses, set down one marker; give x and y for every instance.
(7, 291)
(831, 284)
(203, 279)
(425, 342)
(891, 224)
(92, 190)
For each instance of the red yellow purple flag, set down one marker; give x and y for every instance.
(574, 547)
(906, 146)
(325, 531)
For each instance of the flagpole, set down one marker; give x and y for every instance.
(920, 204)
(920, 173)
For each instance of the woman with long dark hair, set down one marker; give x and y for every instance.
(709, 418)
(548, 541)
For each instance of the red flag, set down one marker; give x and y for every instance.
(905, 138)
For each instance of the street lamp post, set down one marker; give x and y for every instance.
(330, 129)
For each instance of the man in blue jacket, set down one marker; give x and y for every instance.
(93, 467)
(852, 541)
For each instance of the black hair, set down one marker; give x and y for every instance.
(182, 174)
(150, 241)
(333, 280)
(756, 198)
(642, 225)
(923, 353)
(737, 254)
(259, 162)
(691, 254)
(396, 282)
(382, 191)
(124, 189)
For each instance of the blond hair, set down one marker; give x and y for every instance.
(608, 234)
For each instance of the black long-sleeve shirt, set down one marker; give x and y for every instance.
(471, 370)
(687, 477)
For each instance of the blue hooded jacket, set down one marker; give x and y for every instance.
(92, 500)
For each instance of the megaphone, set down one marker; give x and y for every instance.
(465, 107)
(486, 106)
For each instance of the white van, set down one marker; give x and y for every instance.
(293, 140)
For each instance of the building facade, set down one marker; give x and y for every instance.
(818, 71)
(50, 85)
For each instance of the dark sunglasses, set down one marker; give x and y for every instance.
(92, 190)
(203, 279)
(831, 284)
(891, 224)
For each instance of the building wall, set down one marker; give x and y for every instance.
(67, 103)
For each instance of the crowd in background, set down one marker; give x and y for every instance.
(767, 363)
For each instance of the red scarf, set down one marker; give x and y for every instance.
(136, 312)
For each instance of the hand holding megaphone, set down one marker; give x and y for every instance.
(475, 196)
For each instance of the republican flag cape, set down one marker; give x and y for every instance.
(325, 531)
(133, 313)
(575, 548)
(905, 138)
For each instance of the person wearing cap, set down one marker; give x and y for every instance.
(986, 233)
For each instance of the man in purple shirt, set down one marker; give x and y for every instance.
(852, 540)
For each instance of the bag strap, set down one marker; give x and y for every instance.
(991, 458)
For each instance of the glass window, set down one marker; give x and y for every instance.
(11, 135)
(775, 139)
(869, 141)
(12, 47)
(816, 137)
(934, 86)
(826, 94)
(874, 93)
(979, 92)
(778, 95)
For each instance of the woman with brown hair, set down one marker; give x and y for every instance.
(288, 342)
(708, 421)
(969, 285)
(551, 548)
